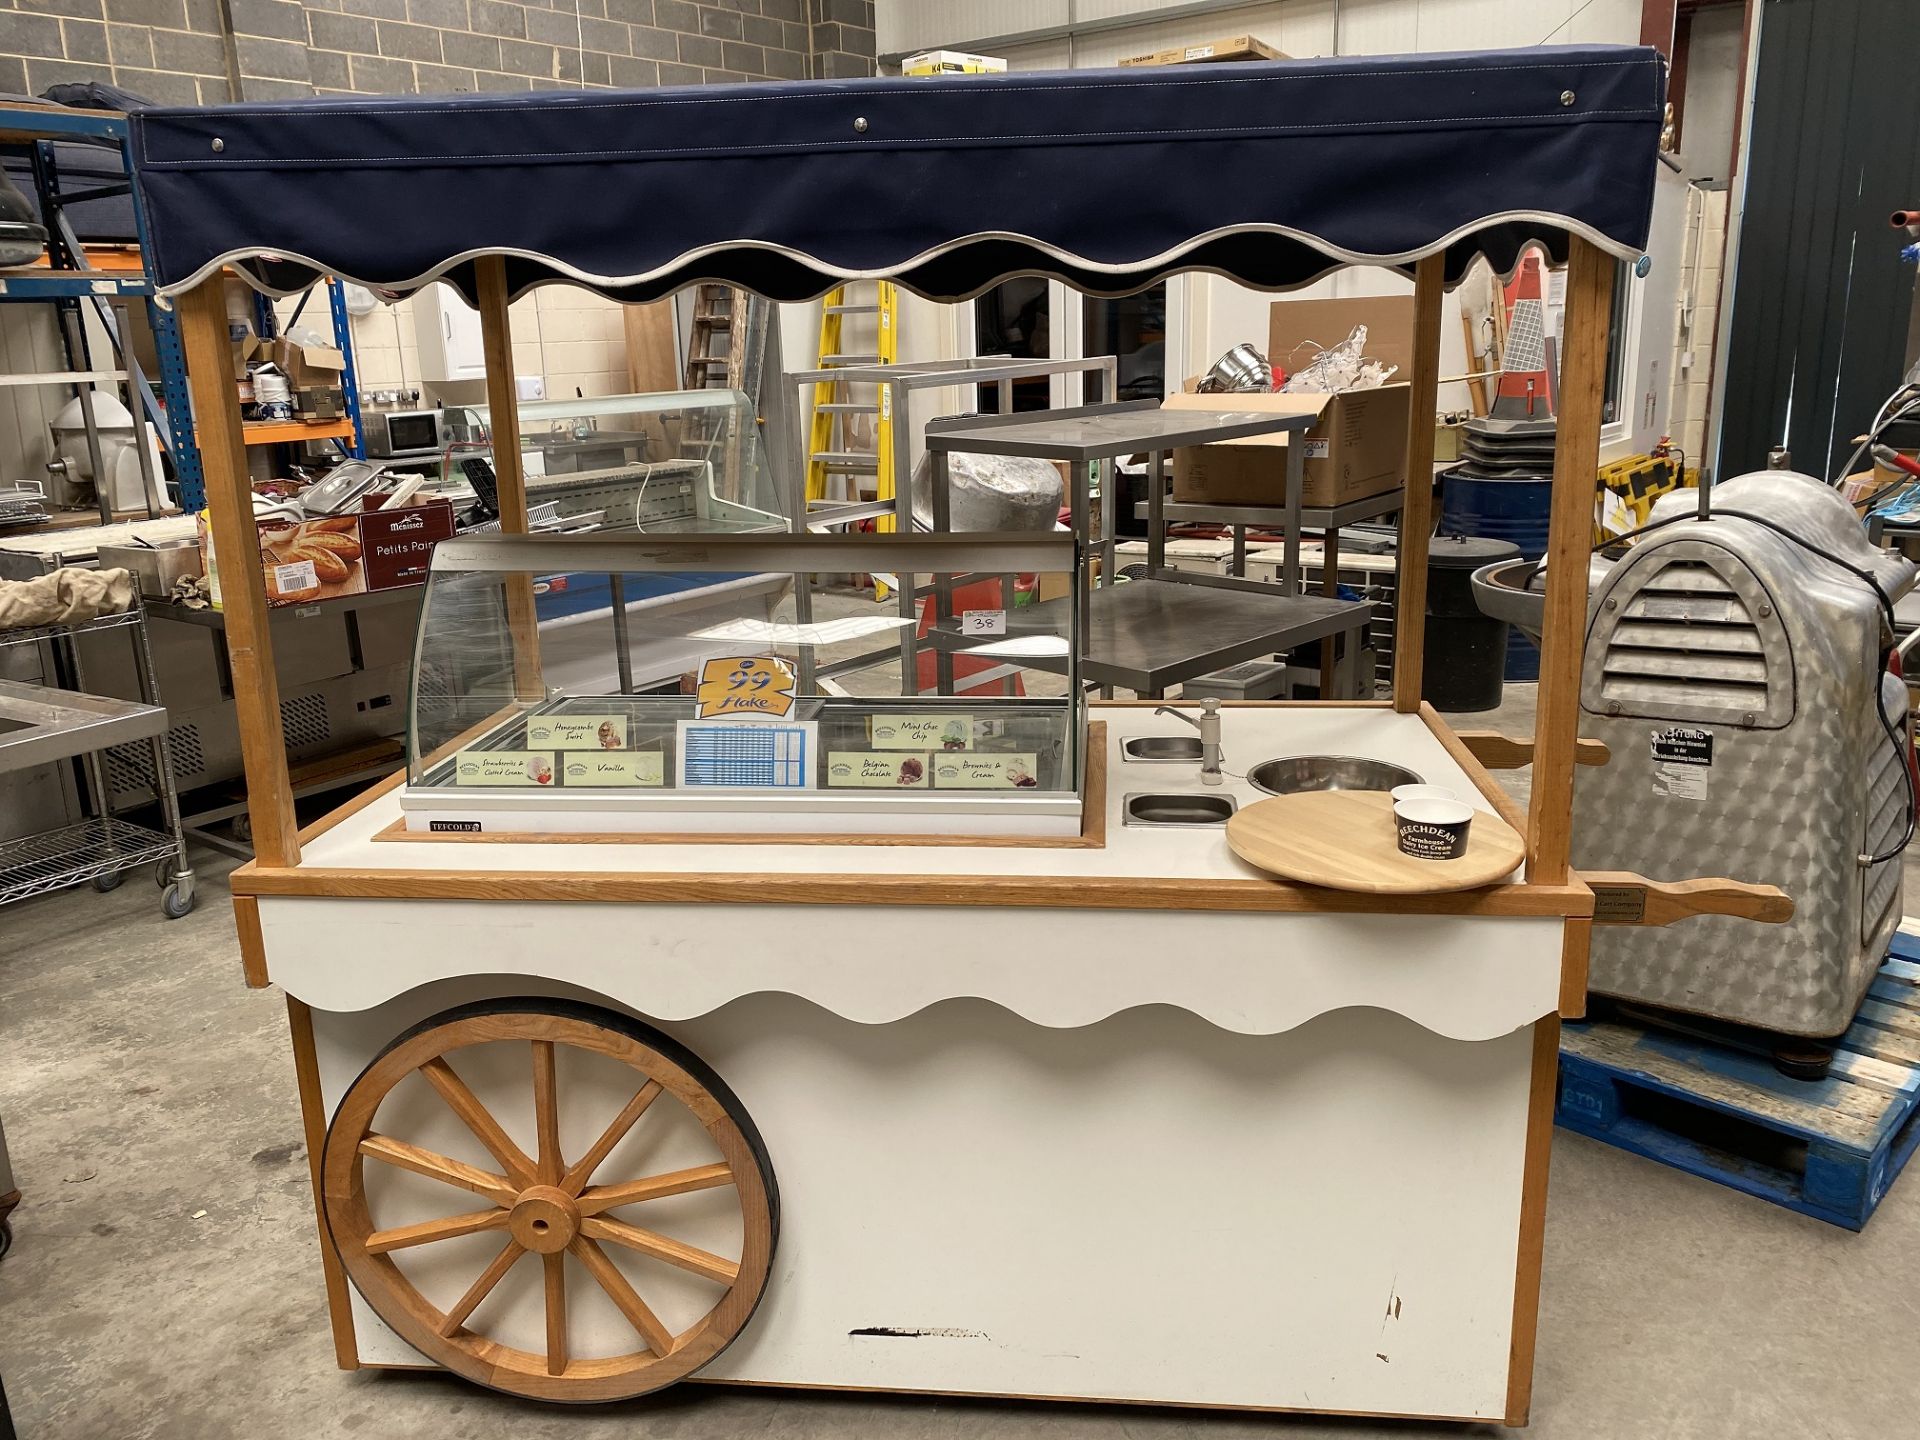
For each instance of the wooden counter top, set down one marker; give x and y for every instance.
(1137, 868)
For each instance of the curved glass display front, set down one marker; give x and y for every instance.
(696, 683)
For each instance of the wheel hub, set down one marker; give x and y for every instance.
(544, 1219)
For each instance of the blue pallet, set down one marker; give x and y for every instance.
(1829, 1148)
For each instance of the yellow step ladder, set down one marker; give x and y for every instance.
(831, 447)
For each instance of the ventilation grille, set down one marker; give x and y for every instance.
(130, 767)
(433, 682)
(1686, 642)
(1886, 822)
(305, 721)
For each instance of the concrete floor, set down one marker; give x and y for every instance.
(164, 1282)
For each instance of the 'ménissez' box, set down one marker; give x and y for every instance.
(330, 557)
(399, 543)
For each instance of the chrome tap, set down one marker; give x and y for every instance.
(1209, 727)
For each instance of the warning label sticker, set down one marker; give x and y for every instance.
(1682, 763)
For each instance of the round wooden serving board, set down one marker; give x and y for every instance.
(1344, 840)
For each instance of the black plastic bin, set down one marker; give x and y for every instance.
(1465, 654)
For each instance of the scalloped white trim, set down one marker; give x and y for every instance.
(831, 276)
(1466, 978)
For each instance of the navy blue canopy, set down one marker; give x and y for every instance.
(1270, 173)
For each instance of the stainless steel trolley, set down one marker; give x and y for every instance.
(44, 723)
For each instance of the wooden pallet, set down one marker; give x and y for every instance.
(1828, 1148)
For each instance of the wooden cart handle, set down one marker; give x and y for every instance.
(1504, 752)
(1621, 897)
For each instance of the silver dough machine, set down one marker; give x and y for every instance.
(1733, 674)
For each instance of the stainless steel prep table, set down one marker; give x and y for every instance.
(1174, 625)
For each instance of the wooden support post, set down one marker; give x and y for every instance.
(1416, 510)
(503, 424)
(1576, 474)
(243, 584)
(1533, 1218)
(313, 1122)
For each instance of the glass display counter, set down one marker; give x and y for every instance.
(578, 684)
(676, 462)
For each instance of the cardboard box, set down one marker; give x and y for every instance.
(240, 343)
(1297, 330)
(399, 543)
(304, 560)
(1057, 584)
(1204, 557)
(319, 402)
(303, 365)
(308, 561)
(1231, 47)
(1357, 447)
(951, 62)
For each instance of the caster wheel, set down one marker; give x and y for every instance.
(242, 828)
(6, 1237)
(176, 902)
(616, 1306)
(104, 883)
(163, 874)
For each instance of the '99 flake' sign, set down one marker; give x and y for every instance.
(755, 686)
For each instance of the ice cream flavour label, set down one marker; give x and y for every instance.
(922, 732)
(504, 767)
(577, 732)
(614, 768)
(880, 770)
(953, 771)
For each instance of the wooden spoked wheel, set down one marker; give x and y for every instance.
(552, 1205)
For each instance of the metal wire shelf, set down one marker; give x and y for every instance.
(75, 854)
(32, 633)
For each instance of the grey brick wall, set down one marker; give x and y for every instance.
(186, 52)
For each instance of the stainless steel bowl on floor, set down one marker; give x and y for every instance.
(1292, 774)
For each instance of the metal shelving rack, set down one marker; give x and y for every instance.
(288, 432)
(108, 279)
(1173, 625)
(71, 276)
(895, 386)
(67, 724)
(1327, 519)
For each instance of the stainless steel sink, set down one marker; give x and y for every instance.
(1291, 774)
(1162, 749)
(1176, 811)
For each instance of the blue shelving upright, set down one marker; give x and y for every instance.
(70, 279)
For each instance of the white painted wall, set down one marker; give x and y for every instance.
(1299, 27)
(570, 336)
